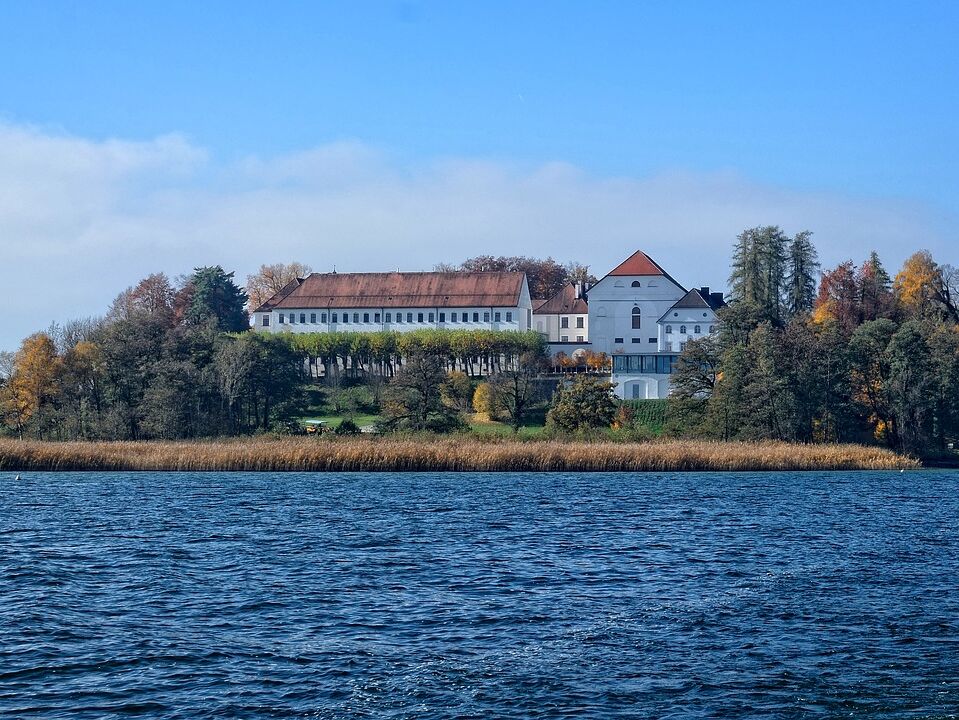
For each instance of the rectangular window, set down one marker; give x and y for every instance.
(356, 317)
(509, 316)
(669, 346)
(452, 317)
(313, 318)
(366, 317)
(335, 318)
(564, 322)
(419, 317)
(303, 318)
(579, 322)
(266, 321)
(442, 317)
(579, 338)
(399, 317)
(497, 316)
(652, 341)
(476, 317)
(485, 317)
(409, 317)
(618, 341)
(389, 317)
(432, 316)
(292, 318)
(346, 318)
(564, 338)
(323, 317)
(281, 318)
(637, 340)
(376, 317)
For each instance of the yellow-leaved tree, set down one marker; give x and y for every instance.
(34, 383)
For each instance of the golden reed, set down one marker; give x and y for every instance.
(383, 454)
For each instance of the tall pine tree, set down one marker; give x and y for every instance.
(802, 270)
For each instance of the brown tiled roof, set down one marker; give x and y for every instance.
(564, 302)
(401, 289)
(639, 263)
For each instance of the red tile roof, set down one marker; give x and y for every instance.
(401, 289)
(564, 302)
(639, 263)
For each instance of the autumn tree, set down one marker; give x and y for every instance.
(839, 298)
(587, 402)
(926, 289)
(34, 384)
(270, 279)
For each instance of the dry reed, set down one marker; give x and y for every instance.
(384, 454)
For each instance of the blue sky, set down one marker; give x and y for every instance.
(840, 117)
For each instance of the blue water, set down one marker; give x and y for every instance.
(479, 596)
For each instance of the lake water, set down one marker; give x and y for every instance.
(486, 595)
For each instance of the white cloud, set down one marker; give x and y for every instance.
(82, 219)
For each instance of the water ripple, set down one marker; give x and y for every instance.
(472, 596)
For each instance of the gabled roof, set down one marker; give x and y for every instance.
(564, 302)
(401, 289)
(696, 299)
(639, 263)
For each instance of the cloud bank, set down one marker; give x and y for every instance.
(82, 219)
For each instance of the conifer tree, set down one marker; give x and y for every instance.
(802, 270)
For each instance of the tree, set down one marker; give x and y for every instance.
(870, 376)
(927, 289)
(270, 279)
(911, 386)
(875, 289)
(215, 296)
(545, 277)
(414, 400)
(839, 298)
(514, 391)
(759, 268)
(458, 391)
(34, 383)
(802, 270)
(587, 402)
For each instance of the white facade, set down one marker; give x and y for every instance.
(309, 320)
(401, 302)
(643, 318)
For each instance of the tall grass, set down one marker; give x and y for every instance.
(381, 454)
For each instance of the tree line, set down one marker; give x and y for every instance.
(853, 355)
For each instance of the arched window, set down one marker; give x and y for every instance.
(637, 318)
(635, 283)
(669, 329)
(619, 283)
(682, 329)
(697, 329)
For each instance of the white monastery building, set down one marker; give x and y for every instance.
(643, 318)
(563, 318)
(399, 301)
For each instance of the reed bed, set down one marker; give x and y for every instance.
(384, 454)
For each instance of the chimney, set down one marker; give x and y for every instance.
(578, 290)
(716, 299)
(704, 291)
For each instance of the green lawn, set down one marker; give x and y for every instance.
(488, 428)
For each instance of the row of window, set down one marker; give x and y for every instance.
(565, 338)
(653, 364)
(697, 329)
(421, 317)
(564, 322)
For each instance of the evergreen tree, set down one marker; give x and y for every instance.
(875, 289)
(801, 274)
(215, 296)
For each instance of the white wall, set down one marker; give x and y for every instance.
(611, 302)
(518, 322)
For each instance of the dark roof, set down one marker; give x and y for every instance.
(696, 298)
(564, 302)
(401, 289)
(639, 263)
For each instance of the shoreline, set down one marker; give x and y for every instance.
(445, 454)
